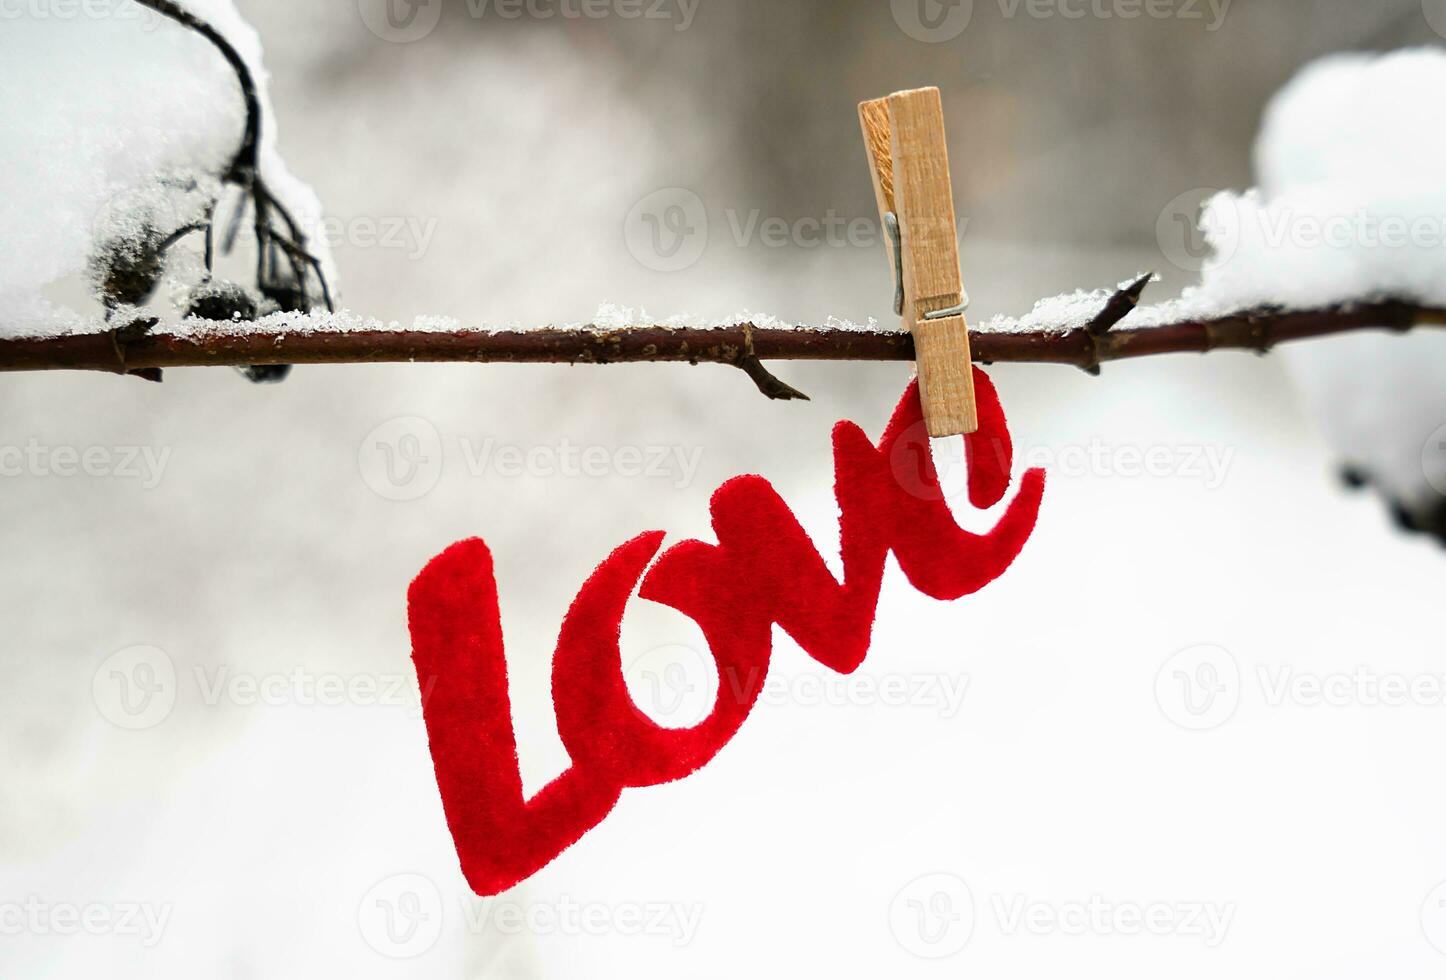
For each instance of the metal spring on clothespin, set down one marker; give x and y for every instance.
(891, 225)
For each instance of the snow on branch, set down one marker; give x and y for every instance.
(1344, 234)
(92, 192)
(1085, 343)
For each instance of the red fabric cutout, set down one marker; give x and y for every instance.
(763, 570)
(989, 452)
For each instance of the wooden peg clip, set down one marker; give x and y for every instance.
(909, 159)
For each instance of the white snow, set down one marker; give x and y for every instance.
(1350, 204)
(1358, 139)
(1068, 311)
(609, 318)
(122, 111)
(613, 317)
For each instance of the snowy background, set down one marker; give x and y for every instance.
(1192, 733)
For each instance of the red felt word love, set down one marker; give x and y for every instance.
(763, 570)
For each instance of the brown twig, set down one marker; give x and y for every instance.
(196, 347)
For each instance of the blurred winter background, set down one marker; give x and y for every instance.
(1191, 734)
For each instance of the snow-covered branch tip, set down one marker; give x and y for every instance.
(286, 285)
(1087, 343)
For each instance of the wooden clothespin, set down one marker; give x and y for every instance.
(909, 158)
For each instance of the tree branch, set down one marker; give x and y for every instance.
(1080, 347)
(744, 346)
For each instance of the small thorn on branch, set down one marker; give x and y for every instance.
(747, 360)
(123, 336)
(767, 382)
(1121, 305)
